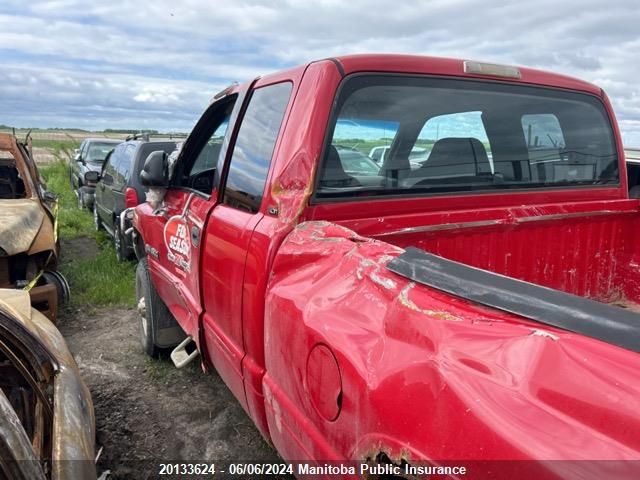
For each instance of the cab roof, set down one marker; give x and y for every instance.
(454, 67)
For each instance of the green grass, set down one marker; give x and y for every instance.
(101, 280)
(97, 281)
(66, 145)
(163, 371)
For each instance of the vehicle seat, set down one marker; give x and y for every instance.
(455, 157)
(333, 174)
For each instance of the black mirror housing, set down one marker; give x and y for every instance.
(49, 196)
(155, 172)
(91, 177)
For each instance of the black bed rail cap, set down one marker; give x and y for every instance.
(607, 323)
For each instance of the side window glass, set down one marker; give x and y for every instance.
(545, 146)
(200, 173)
(124, 166)
(109, 172)
(254, 146)
(208, 157)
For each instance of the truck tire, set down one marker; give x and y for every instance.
(155, 318)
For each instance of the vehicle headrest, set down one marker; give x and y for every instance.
(457, 156)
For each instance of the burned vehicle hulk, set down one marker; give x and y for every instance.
(28, 229)
(47, 425)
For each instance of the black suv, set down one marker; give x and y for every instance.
(90, 157)
(119, 187)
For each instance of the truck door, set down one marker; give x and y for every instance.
(103, 196)
(230, 228)
(175, 231)
(122, 174)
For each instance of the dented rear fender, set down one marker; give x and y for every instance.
(448, 377)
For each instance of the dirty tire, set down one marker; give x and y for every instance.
(154, 309)
(62, 286)
(97, 223)
(118, 243)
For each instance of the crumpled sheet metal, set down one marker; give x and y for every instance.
(431, 376)
(73, 417)
(292, 178)
(20, 222)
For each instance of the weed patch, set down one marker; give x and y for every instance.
(97, 281)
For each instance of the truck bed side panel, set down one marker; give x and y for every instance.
(415, 362)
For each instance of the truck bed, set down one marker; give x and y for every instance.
(545, 305)
(590, 250)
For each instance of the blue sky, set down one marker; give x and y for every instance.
(129, 64)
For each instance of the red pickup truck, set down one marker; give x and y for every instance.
(477, 303)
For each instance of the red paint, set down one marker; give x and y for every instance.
(334, 357)
(323, 382)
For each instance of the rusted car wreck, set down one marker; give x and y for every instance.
(47, 425)
(28, 229)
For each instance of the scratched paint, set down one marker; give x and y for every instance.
(418, 365)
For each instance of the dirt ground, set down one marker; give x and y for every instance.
(148, 412)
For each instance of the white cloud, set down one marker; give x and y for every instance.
(138, 60)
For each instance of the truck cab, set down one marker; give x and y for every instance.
(350, 313)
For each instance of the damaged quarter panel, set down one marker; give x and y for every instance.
(428, 376)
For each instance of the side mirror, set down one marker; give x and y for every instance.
(155, 172)
(77, 157)
(49, 196)
(91, 177)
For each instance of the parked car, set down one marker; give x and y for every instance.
(47, 425)
(90, 157)
(470, 310)
(417, 155)
(118, 187)
(632, 156)
(355, 162)
(28, 230)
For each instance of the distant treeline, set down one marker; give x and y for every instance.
(81, 130)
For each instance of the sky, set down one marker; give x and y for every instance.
(137, 65)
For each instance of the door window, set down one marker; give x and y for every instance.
(254, 146)
(199, 171)
(109, 171)
(123, 167)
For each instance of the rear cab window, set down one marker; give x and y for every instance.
(430, 136)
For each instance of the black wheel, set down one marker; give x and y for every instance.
(118, 243)
(97, 223)
(61, 284)
(154, 315)
(81, 202)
